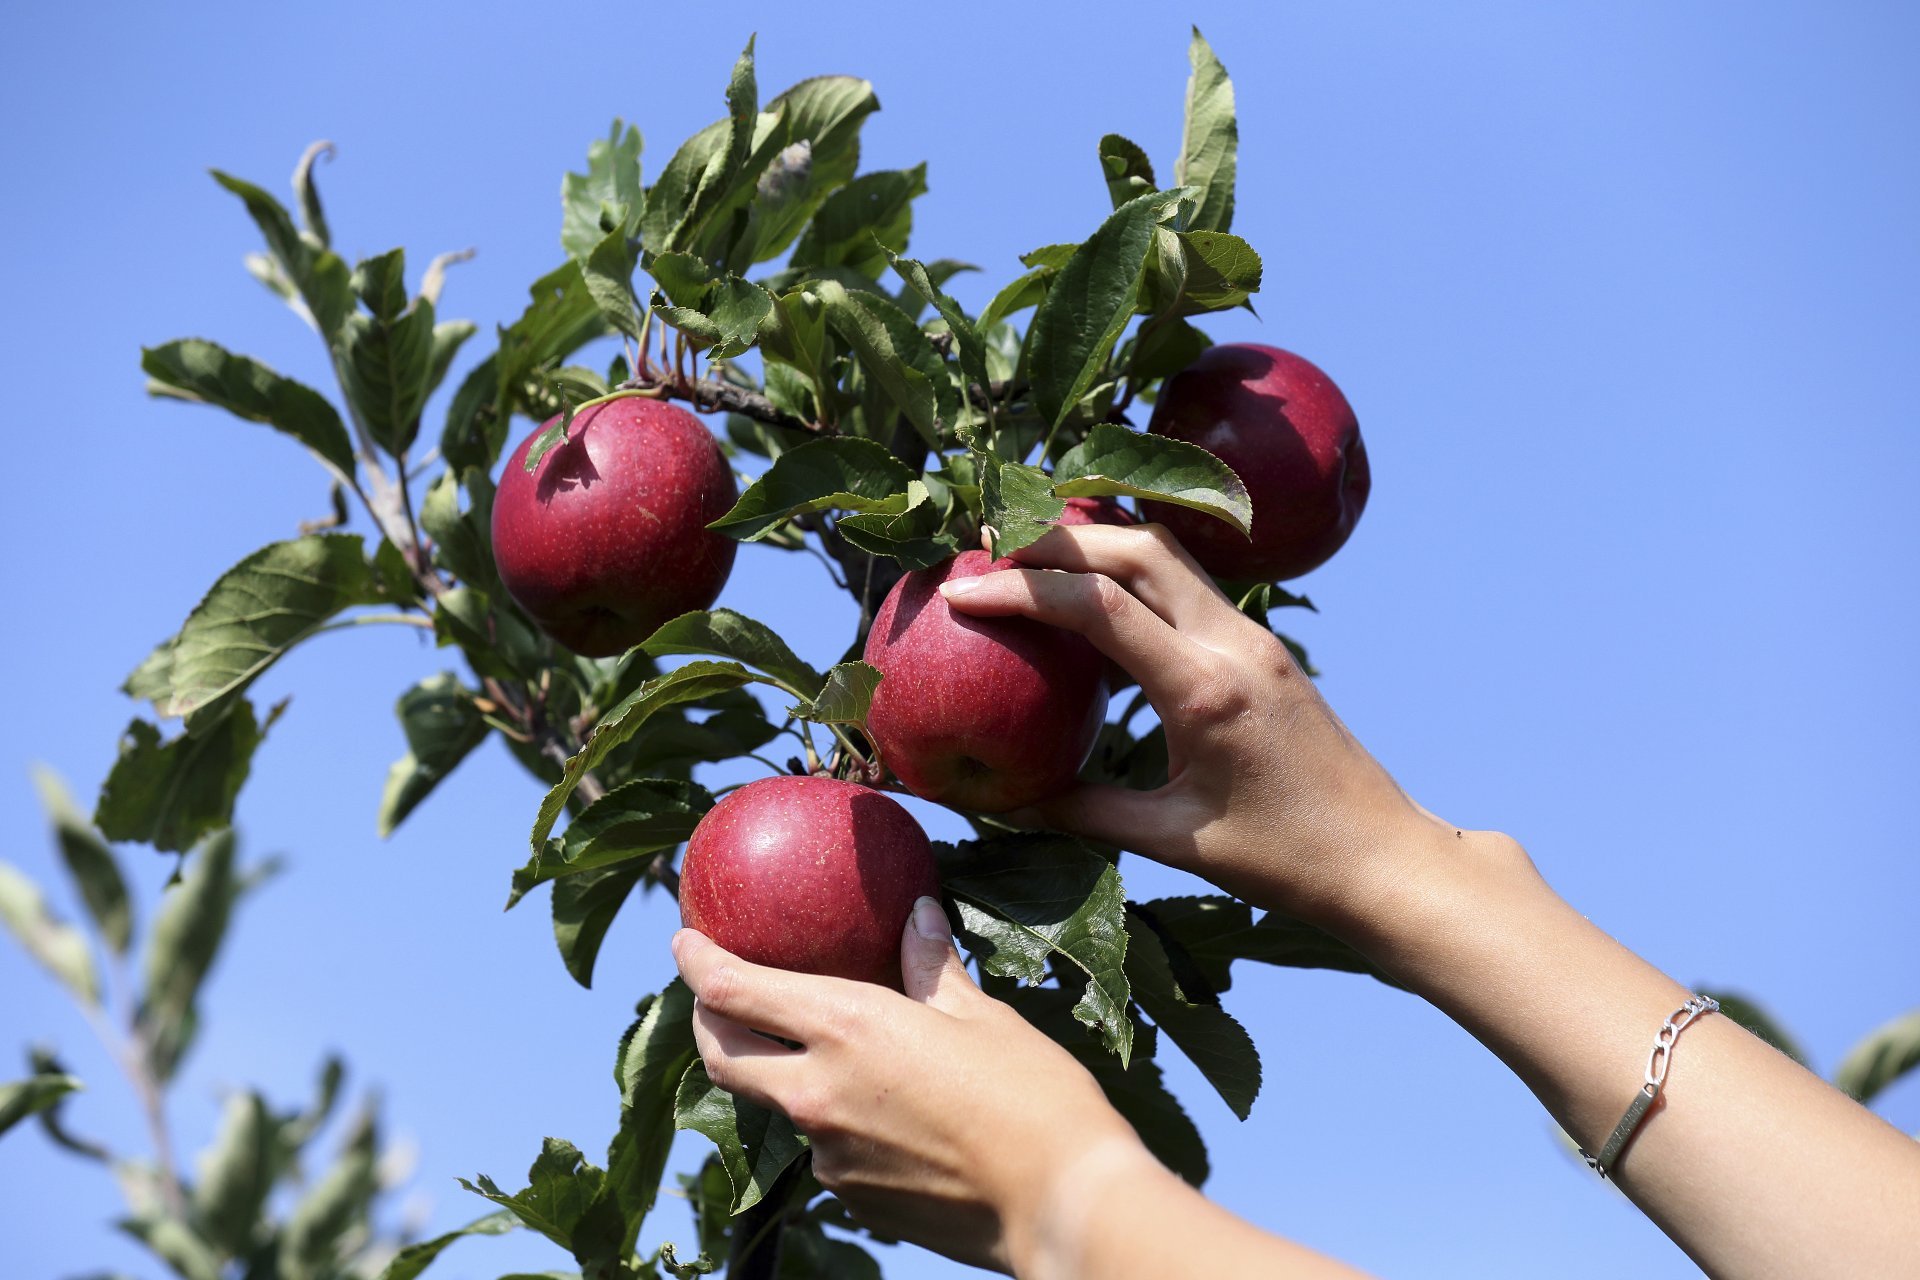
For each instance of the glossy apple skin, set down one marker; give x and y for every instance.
(606, 539)
(809, 874)
(1095, 511)
(1290, 435)
(986, 714)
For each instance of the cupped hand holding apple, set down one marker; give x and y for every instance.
(1268, 795)
(939, 1116)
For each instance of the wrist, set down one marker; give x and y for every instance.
(1441, 880)
(1046, 1225)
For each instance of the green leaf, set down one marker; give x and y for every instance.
(1114, 461)
(176, 1244)
(725, 634)
(192, 369)
(864, 223)
(609, 275)
(607, 197)
(654, 1055)
(170, 794)
(1193, 1019)
(415, 1258)
(1214, 931)
(669, 200)
(312, 216)
(1025, 898)
(728, 320)
(967, 342)
(1199, 271)
(385, 369)
(22, 1098)
(564, 1201)
(448, 337)
(1018, 503)
(462, 543)
(755, 1144)
(1164, 349)
(915, 537)
(837, 472)
(259, 609)
(822, 150)
(1090, 302)
(1881, 1058)
(636, 819)
(59, 947)
(1210, 143)
(584, 906)
(807, 1252)
(89, 861)
(1024, 291)
(299, 1130)
(694, 681)
(1125, 166)
(442, 726)
(381, 282)
(237, 1174)
(846, 697)
(334, 1206)
(1758, 1021)
(795, 334)
(894, 353)
(185, 940)
(316, 272)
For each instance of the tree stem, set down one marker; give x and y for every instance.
(755, 1254)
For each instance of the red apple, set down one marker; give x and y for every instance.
(1095, 511)
(1290, 435)
(809, 874)
(987, 714)
(607, 538)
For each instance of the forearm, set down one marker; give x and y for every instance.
(1750, 1163)
(1116, 1213)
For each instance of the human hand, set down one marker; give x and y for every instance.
(1268, 794)
(939, 1116)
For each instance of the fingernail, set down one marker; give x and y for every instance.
(683, 939)
(958, 587)
(930, 922)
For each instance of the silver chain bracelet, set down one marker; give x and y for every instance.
(1657, 1063)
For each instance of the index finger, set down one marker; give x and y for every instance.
(790, 1005)
(1145, 559)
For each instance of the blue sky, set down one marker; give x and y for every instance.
(1623, 295)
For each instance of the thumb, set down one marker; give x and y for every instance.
(930, 968)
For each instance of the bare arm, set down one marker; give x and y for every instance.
(1751, 1164)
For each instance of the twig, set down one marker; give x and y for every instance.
(713, 394)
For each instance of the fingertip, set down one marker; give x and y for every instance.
(686, 942)
(929, 920)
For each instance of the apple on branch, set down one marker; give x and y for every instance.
(606, 538)
(1293, 440)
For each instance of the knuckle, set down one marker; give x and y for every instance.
(1104, 597)
(811, 1109)
(1216, 697)
(722, 990)
(721, 1071)
(844, 1018)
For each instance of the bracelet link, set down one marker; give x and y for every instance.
(1658, 1060)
